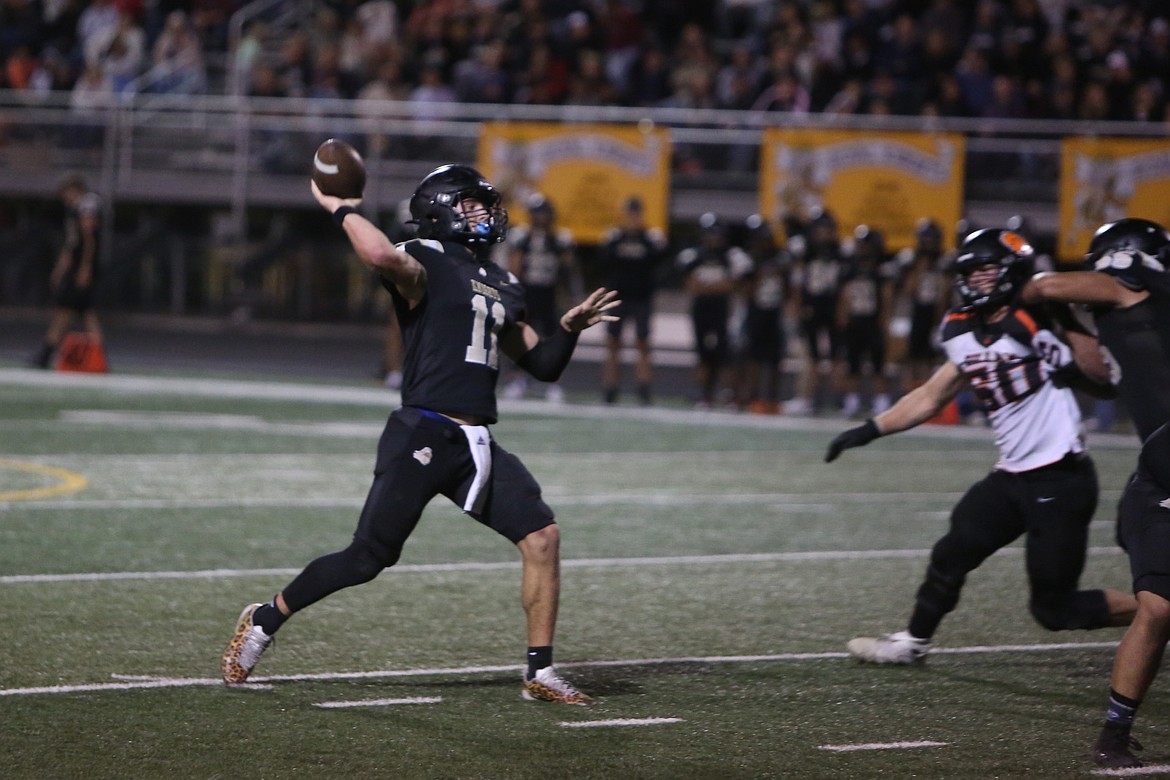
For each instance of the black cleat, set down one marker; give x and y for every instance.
(1112, 750)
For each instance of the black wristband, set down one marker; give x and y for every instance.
(343, 212)
(871, 429)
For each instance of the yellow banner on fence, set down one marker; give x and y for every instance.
(1105, 179)
(586, 171)
(887, 180)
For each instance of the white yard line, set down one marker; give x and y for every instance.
(585, 724)
(1152, 769)
(665, 499)
(882, 746)
(572, 563)
(337, 705)
(804, 502)
(185, 682)
(379, 397)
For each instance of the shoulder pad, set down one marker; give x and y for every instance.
(429, 243)
(740, 261)
(1034, 319)
(955, 323)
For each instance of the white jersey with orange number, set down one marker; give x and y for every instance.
(1009, 365)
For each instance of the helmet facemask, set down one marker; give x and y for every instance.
(479, 217)
(1006, 252)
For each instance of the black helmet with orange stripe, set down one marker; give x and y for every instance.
(1005, 250)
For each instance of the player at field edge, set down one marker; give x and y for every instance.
(78, 268)
(458, 311)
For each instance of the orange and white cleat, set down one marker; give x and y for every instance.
(547, 685)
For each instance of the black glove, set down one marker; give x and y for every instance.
(854, 437)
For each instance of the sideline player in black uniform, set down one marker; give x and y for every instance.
(542, 256)
(458, 312)
(767, 296)
(1044, 484)
(75, 275)
(926, 288)
(712, 272)
(629, 261)
(817, 279)
(864, 306)
(1129, 294)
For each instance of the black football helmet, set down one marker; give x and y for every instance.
(538, 204)
(1009, 252)
(1125, 247)
(712, 230)
(757, 226)
(870, 242)
(928, 235)
(709, 222)
(822, 228)
(963, 228)
(434, 202)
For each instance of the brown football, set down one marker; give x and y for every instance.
(338, 169)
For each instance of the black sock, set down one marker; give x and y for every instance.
(269, 617)
(538, 658)
(1121, 712)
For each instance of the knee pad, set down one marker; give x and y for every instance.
(366, 562)
(1070, 611)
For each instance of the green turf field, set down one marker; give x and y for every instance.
(714, 569)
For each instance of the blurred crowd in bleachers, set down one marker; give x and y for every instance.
(1094, 59)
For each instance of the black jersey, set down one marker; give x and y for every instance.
(452, 335)
(862, 288)
(1138, 338)
(87, 206)
(1154, 461)
(818, 279)
(540, 254)
(630, 259)
(712, 266)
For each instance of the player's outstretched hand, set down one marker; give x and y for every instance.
(594, 309)
(854, 437)
(332, 203)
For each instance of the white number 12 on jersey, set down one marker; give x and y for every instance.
(484, 348)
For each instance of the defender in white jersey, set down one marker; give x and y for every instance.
(1044, 484)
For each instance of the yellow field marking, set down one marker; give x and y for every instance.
(71, 482)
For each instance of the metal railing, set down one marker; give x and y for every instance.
(235, 154)
(187, 147)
